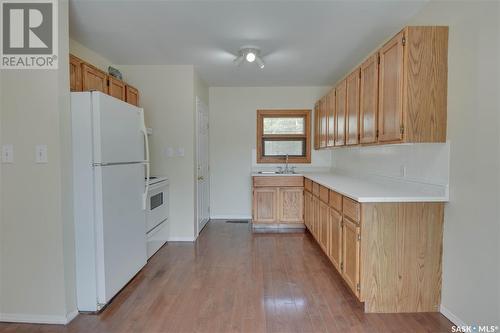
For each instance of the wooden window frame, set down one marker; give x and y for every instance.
(261, 114)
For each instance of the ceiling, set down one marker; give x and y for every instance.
(302, 42)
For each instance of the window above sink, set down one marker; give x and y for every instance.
(282, 133)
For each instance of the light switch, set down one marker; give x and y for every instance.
(7, 153)
(41, 154)
(180, 152)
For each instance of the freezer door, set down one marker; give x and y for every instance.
(118, 130)
(120, 227)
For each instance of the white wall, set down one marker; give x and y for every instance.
(471, 278)
(426, 163)
(167, 94)
(37, 263)
(89, 55)
(233, 137)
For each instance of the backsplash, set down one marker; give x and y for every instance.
(421, 162)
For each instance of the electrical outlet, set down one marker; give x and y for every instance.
(402, 171)
(169, 152)
(180, 152)
(7, 153)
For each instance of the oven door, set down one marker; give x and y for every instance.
(157, 205)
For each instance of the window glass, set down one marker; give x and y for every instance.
(284, 147)
(285, 125)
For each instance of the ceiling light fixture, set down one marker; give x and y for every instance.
(250, 54)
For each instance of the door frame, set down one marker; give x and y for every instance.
(200, 104)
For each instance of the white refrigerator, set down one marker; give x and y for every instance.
(110, 164)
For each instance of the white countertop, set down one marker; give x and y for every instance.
(375, 188)
(380, 189)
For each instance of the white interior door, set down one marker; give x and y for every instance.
(202, 157)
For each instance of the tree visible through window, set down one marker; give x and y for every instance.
(281, 133)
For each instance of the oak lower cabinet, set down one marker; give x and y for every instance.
(389, 254)
(308, 209)
(278, 200)
(265, 205)
(350, 254)
(323, 226)
(335, 239)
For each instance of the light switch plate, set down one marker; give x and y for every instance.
(169, 152)
(7, 153)
(180, 152)
(41, 154)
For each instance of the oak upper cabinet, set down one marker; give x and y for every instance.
(350, 254)
(390, 121)
(291, 205)
(331, 119)
(323, 123)
(412, 97)
(132, 95)
(116, 88)
(352, 108)
(368, 100)
(94, 79)
(340, 113)
(265, 205)
(75, 73)
(316, 125)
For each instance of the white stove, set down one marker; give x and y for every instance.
(157, 214)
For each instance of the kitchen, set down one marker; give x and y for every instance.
(384, 225)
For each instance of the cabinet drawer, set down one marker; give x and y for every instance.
(323, 193)
(280, 181)
(308, 184)
(315, 189)
(335, 201)
(350, 208)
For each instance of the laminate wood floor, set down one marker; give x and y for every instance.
(233, 280)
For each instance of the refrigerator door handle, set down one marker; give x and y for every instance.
(146, 143)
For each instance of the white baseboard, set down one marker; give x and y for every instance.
(70, 316)
(181, 239)
(452, 317)
(231, 217)
(37, 319)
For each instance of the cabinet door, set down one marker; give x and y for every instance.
(323, 226)
(94, 79)
(352, 108)
(132, 95)
(335, 234)
(307, 220)
(323, 123)
(350, 254)
(390, 117)
(368, 100)
(265, 203)
(340, 113)
(315, 207)
(331, 119)
(316, 125)
(75, 73)
(291, 205)
(116, 88)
